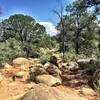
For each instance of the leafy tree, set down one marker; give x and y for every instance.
(21, 33)
(81, 28)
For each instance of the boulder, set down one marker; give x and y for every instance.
(72, 66)
(96, 79)
(69, 66)
(87, 91)
(7, 66)
(35, 71)
(46, 65)
(48, 80)
(21, 62)
(86, 60)
(87, 63)
(19, 74)
(52, 69)
(33, 60)
(44, 92)
(63, 67)
(17, 97)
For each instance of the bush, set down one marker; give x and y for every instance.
(45, 58)
(45, 55)
(70, 56)
(10, 49)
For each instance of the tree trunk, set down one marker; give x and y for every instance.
(77, 34)
(63, 45)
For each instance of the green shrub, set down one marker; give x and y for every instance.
(45, 55)
(70, 56)
(45, 58)
(10, 49)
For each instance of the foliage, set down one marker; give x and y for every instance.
(20, 35)
(81, 30)
(10, 49)
(45, 58)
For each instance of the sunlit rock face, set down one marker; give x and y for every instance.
(44, 92)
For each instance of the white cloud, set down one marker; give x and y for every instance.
(50, 28)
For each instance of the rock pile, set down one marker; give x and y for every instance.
(48, 74)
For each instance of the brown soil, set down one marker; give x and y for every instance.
(11, 90)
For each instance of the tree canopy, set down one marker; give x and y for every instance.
(81, 27)
(20, 35)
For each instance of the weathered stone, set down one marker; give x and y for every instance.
(35, 71)
(69, 66)
(87, 63)
(44, 92)
(7, 66)
(96, 79)
(48, 80)
(72, 66)
(52, 69)
(87, 91)
(36, 65)
(20, 74)
(21, 62)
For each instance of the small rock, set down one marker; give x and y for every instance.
(19, 74)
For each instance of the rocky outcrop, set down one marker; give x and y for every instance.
(44, 92)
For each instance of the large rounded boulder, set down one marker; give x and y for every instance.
(52, 69)
(21, 62)
(35, 71)
(48, 80)
(44, 92)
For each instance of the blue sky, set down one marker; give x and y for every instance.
(41, 10)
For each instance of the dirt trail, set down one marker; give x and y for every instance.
(11, 90)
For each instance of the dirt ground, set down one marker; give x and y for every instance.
(12, 90)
